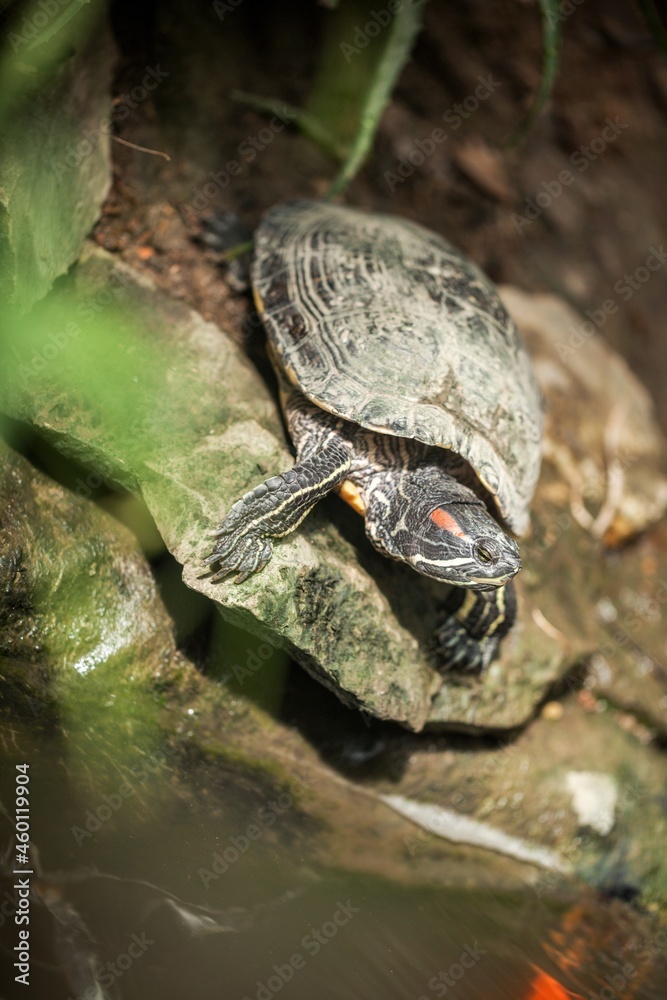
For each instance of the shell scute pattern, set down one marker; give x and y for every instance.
(387, 325)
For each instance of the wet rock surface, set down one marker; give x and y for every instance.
(595, 556)
(91, 674)
(77, 603)
(200, 431)
(580, 785)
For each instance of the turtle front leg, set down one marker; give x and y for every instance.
(274, 508)
(469, 638)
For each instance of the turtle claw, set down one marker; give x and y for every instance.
(243, 554)
(218, 533)
(221, 574)
(458, 650)
(240, 577)
(210, 559)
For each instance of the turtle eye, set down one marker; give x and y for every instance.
(486, 551)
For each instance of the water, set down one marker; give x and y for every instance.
(209, 881)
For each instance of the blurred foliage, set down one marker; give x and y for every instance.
(91, 355)
(401, 36)
(54, 157)
(37, 38)
(344, 108)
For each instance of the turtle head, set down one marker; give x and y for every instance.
(427, 519)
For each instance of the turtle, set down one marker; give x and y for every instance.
(407, 389)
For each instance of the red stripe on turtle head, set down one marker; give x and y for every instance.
(445, 520)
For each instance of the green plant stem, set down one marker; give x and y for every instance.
(550, 51)
(655, 24)
(308, 123)
(404, 29)
(56, 25)
(238, 250)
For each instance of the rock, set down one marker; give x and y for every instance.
(54, 162)
(91, 678)
(594, 798)
(601, 435)
(90, 667)
(602, 483)
(76, 602)
(165, 404)
(196, 430)
(579, 798)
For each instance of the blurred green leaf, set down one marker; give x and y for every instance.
(55, 118)
(654, 22)
(87, 352)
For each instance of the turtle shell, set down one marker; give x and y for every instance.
(386, 324)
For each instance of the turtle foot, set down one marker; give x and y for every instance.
(225, 233)
(238, 551)
(243, 556)
(458, 650)
(469, 638)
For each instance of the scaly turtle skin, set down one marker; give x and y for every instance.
(406, 388)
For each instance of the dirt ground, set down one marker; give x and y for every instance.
(578, 208)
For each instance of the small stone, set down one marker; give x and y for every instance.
(594, 796)
(605, 610)
(552, 711)
(587, 701)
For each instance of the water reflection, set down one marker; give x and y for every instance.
(200, 896)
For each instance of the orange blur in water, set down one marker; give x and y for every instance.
(545, 987)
